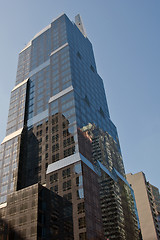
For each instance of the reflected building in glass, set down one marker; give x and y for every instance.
(60, 135)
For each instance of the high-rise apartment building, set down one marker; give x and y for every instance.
(156, 201)
(148, 205)
(59, 134)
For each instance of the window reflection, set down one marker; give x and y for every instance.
(78, 168)
(79, 181)
(80, 193)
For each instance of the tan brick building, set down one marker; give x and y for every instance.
(145, 206)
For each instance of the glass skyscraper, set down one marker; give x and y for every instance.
(59, 134)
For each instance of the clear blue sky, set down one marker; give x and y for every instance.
(126, 39)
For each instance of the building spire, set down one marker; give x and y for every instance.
(79, 24)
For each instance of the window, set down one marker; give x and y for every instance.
(54, 178)
(80, 193)
(65, 133)
(23, 206)
(33, 203)
(5, 178)
(78, 168)
(53, 158)
(54, 120)
(39, 126)
(69, 151)
(22, 219)
(33, 217)
(55, 129)
(66, 173)
(55, 147)
(54, 188)
(33, 230)
(46, 147)
(55, 138)
(82, 222)
(46, 165)
(12, 210)
(79, 181)
(82, 236)
(68, 141)
(67, 185)
(57, 156)
(80, 207)
(68, 196)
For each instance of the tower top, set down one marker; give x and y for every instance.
(79, 24)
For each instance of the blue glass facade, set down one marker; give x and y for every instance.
(59, 58)
(58, 110)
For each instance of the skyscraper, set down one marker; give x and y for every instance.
(59, 133)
